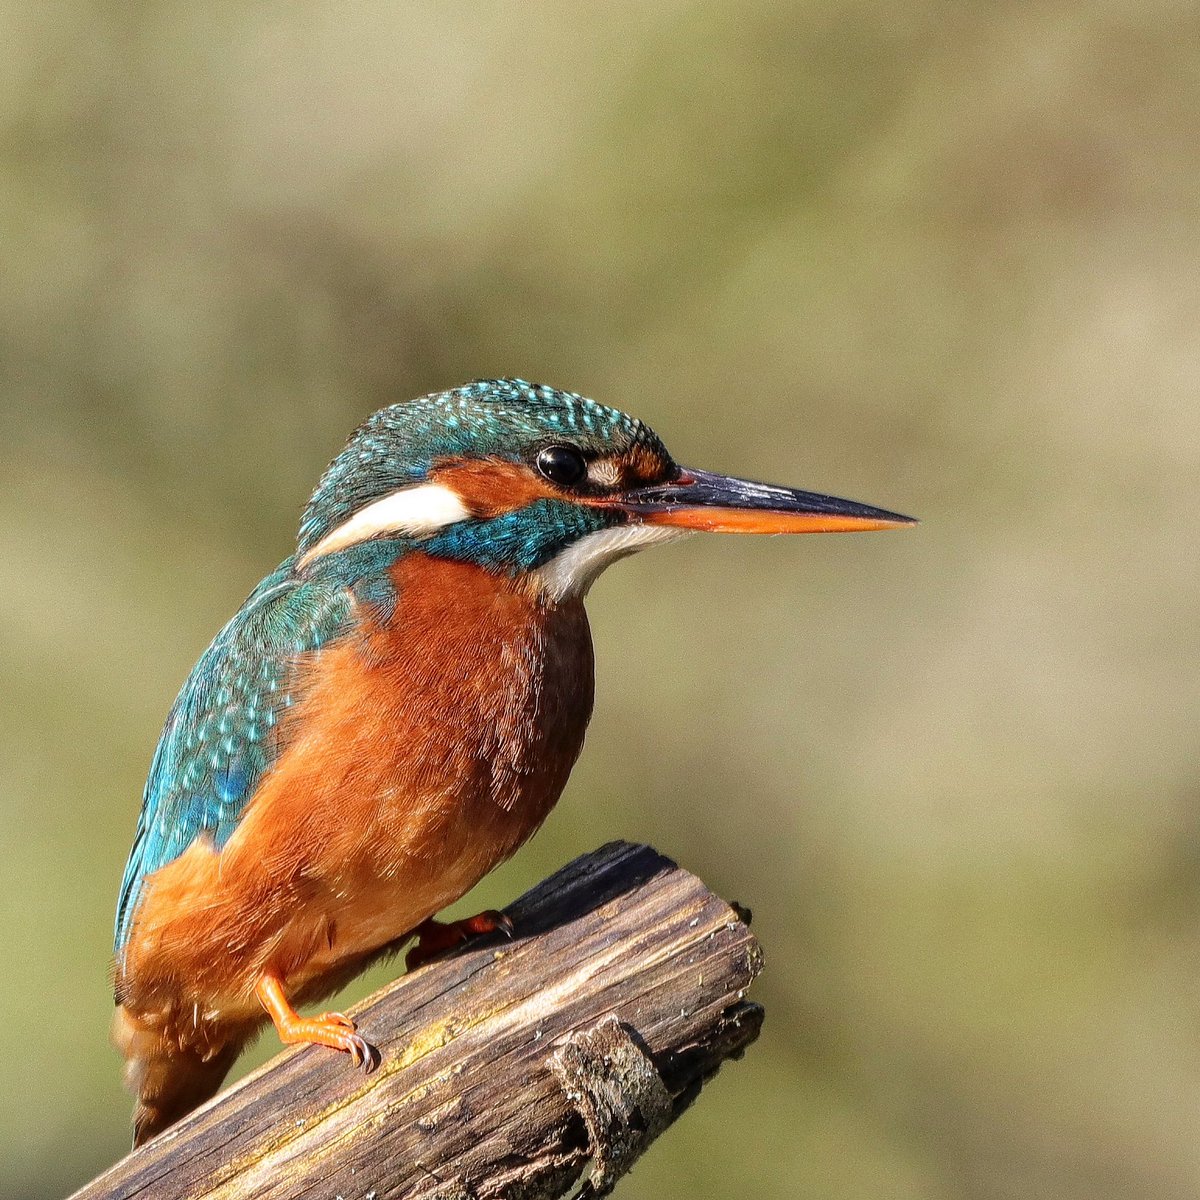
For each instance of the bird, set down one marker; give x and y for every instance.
(391, 713)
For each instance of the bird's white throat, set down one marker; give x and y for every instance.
(572, 571)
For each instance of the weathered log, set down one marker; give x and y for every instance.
(508, 1067)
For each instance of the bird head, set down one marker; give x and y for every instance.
(520, 478)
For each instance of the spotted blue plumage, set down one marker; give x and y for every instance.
(220, 737)
(518, 541)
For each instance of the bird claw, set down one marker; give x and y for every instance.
(433, 937)
(362, 1053)
(332, 1029)
(336, 1031)
(343, 1030)
(491, 920)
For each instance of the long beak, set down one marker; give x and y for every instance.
(723, 504)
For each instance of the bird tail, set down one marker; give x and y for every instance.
(167, 1074)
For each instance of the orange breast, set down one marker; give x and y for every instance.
(424, 752)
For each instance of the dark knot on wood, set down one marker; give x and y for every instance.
(614, 1086)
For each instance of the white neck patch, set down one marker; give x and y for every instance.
(416, 511)
(572, 571)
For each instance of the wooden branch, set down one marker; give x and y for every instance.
(508, 1067)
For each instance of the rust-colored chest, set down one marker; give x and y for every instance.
(427, 748)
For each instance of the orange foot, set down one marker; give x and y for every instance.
(435, 936)
(332, 1029)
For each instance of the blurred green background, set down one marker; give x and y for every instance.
(934, 254)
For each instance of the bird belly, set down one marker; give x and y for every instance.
(423, 753)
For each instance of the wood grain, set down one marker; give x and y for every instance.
(507, 1068)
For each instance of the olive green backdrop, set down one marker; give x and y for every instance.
(933, 254)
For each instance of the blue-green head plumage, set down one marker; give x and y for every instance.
(504, 420)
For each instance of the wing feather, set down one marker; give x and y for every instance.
(220, 736)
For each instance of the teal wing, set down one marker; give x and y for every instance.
(220, 740)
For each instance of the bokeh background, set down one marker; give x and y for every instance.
(938, 255)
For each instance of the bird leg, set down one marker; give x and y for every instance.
(435, 936)
(331, 1029)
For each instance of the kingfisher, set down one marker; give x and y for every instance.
(390, 714)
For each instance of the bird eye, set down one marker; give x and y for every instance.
(562, 465)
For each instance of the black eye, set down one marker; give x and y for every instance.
(563, 465)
